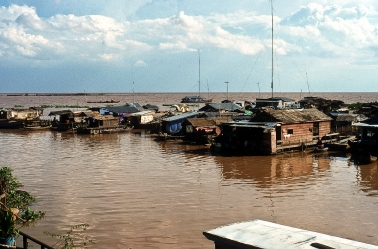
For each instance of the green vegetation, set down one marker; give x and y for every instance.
(63, 106)
(354, 106)
(15, 211)
(74, 238)
(7, 227)
(18, 106)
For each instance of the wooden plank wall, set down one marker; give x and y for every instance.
(303, 132)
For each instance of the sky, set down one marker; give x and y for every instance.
(70, 46)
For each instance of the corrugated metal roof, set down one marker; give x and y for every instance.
(292, 116)
(264, 125)
(62, 112)
(371, 122)
(141, 113)
(181, 116)
(221, 106)
(127, 108)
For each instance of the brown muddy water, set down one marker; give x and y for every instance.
(135, 192)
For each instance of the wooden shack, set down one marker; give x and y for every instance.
(203, 130)
(277, 102)
(173, 125)
(367, 144)
(244, 137)
(343, 122)
(297, 126)
(97, 124)
(275, 130)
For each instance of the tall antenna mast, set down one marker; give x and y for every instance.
(258, 85)
(199, 73)
(308, 85)
(132, 74)
(271, 5)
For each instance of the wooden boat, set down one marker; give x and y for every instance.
(104, 101)
(37, 124)
(317, 149)
(15, 118)
(337, 146)
(37, 127)
(101, 124)
(195, 99)
(11, 124)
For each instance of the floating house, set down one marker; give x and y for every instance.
(17, 117)
(368, 109)
(20, 114)
(367, 144)
(297, 124)
(126, 109)
(259, 234)
(98, 124)
(203, 130)
(65, 120)
(321, 104)
(173, 125)
(142, 120)
(247, 137)
(222, 107)
(343, 122)
(275, 130)
(277, 103)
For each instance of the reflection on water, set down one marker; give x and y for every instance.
(138, 193)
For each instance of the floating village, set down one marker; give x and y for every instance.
(262, 127)
(268, 126)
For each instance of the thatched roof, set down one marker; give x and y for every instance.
(61, 112)
(291, 116)
(350, 118)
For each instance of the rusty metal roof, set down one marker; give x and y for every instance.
(208, 122)
(291, 116)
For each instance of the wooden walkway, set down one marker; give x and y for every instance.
(303, 144)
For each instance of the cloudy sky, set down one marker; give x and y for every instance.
(172, 45)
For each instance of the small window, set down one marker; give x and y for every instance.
(290, 131)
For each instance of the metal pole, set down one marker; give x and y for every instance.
(272, 45)
(258, 84)
(271, 4)
(227, 88)
(199, 73)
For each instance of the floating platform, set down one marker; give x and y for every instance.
(259, 234)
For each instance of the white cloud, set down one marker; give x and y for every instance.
(187, 23)
(14, 11)
(141, 63)
(345, 33)
(178, 46)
